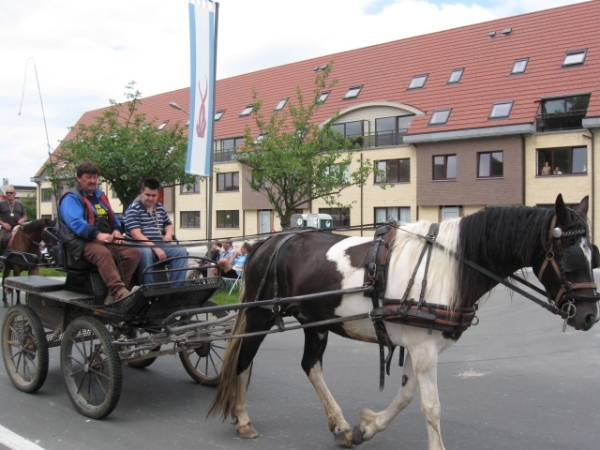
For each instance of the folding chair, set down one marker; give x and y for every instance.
(237, 281)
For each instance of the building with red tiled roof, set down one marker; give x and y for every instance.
(460, 119)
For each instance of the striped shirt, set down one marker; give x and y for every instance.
(152, 225)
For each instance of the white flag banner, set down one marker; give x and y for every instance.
(203, 22)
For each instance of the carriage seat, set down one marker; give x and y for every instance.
(82, 276)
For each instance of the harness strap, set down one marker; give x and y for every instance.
(550, 307)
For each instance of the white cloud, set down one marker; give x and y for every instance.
(86, 52)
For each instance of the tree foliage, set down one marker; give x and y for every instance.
(294, 160)
(29, 204)
(126, 146)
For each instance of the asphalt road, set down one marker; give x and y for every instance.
(513, 382)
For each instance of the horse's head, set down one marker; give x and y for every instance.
(565, 268)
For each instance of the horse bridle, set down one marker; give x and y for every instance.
(565, 298)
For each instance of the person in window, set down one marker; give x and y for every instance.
(234, 270)
(546, 170)
(148, 223)
(557, 171)
(87, 223)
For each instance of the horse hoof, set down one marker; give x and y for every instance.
(341, 438)
(247, 432)
(357, 436)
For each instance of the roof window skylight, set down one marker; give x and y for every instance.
(417, 82)
(219, 114)
(501, 110)
(353, 92)
(323, 96)
(440, 117)
(574, 58)
(520, 65)
(281, 104)
(455, 76)
(162, 125)
(247, 110)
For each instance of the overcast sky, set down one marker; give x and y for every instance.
(86, 52)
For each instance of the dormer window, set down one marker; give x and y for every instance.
(574, 58)
(519, 66)
(440, 117)
(455, 76)
(501, 110)
(247, 110)
(219, 114)
(417, 82)
(353, 92)
(281, 104)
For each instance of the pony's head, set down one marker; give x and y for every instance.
(565, 267)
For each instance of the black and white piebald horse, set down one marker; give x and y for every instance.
(502, 240)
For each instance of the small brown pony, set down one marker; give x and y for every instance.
(27, 239)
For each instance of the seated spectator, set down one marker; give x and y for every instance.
(147, 222)
(234, 270)
(557, 171)
(214, 255)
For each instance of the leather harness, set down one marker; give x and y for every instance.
(406, 311)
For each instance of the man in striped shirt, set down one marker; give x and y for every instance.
(147, 222)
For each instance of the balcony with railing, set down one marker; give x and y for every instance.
(569, 120)
(225, 156)
(380, 139)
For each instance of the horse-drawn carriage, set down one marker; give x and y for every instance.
(95, 339)
(415, 287)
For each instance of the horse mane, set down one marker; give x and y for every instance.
(500, 239)
(442, 281)
(36, 225)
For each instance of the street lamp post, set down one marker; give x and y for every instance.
(210, 184)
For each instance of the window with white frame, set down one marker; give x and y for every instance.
(397, 213)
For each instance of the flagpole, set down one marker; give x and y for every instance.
(212, 137)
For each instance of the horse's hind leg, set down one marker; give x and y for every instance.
(372, 422)
(315, 343)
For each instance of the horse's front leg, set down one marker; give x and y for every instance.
(425, 365)
(312, 362)
(372, 422)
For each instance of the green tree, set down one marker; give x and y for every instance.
(29, 203)
(295, 160)
(127, 147)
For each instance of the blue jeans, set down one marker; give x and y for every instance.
(148, 258)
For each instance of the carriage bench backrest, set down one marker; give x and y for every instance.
(20, 258)
(82, 276)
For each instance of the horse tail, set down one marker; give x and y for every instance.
(228, 385)
(228, 389)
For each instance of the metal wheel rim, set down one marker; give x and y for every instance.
(21, 349)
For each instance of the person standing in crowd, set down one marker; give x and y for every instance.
(12, 213)
(148, 223)
(87, 223)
